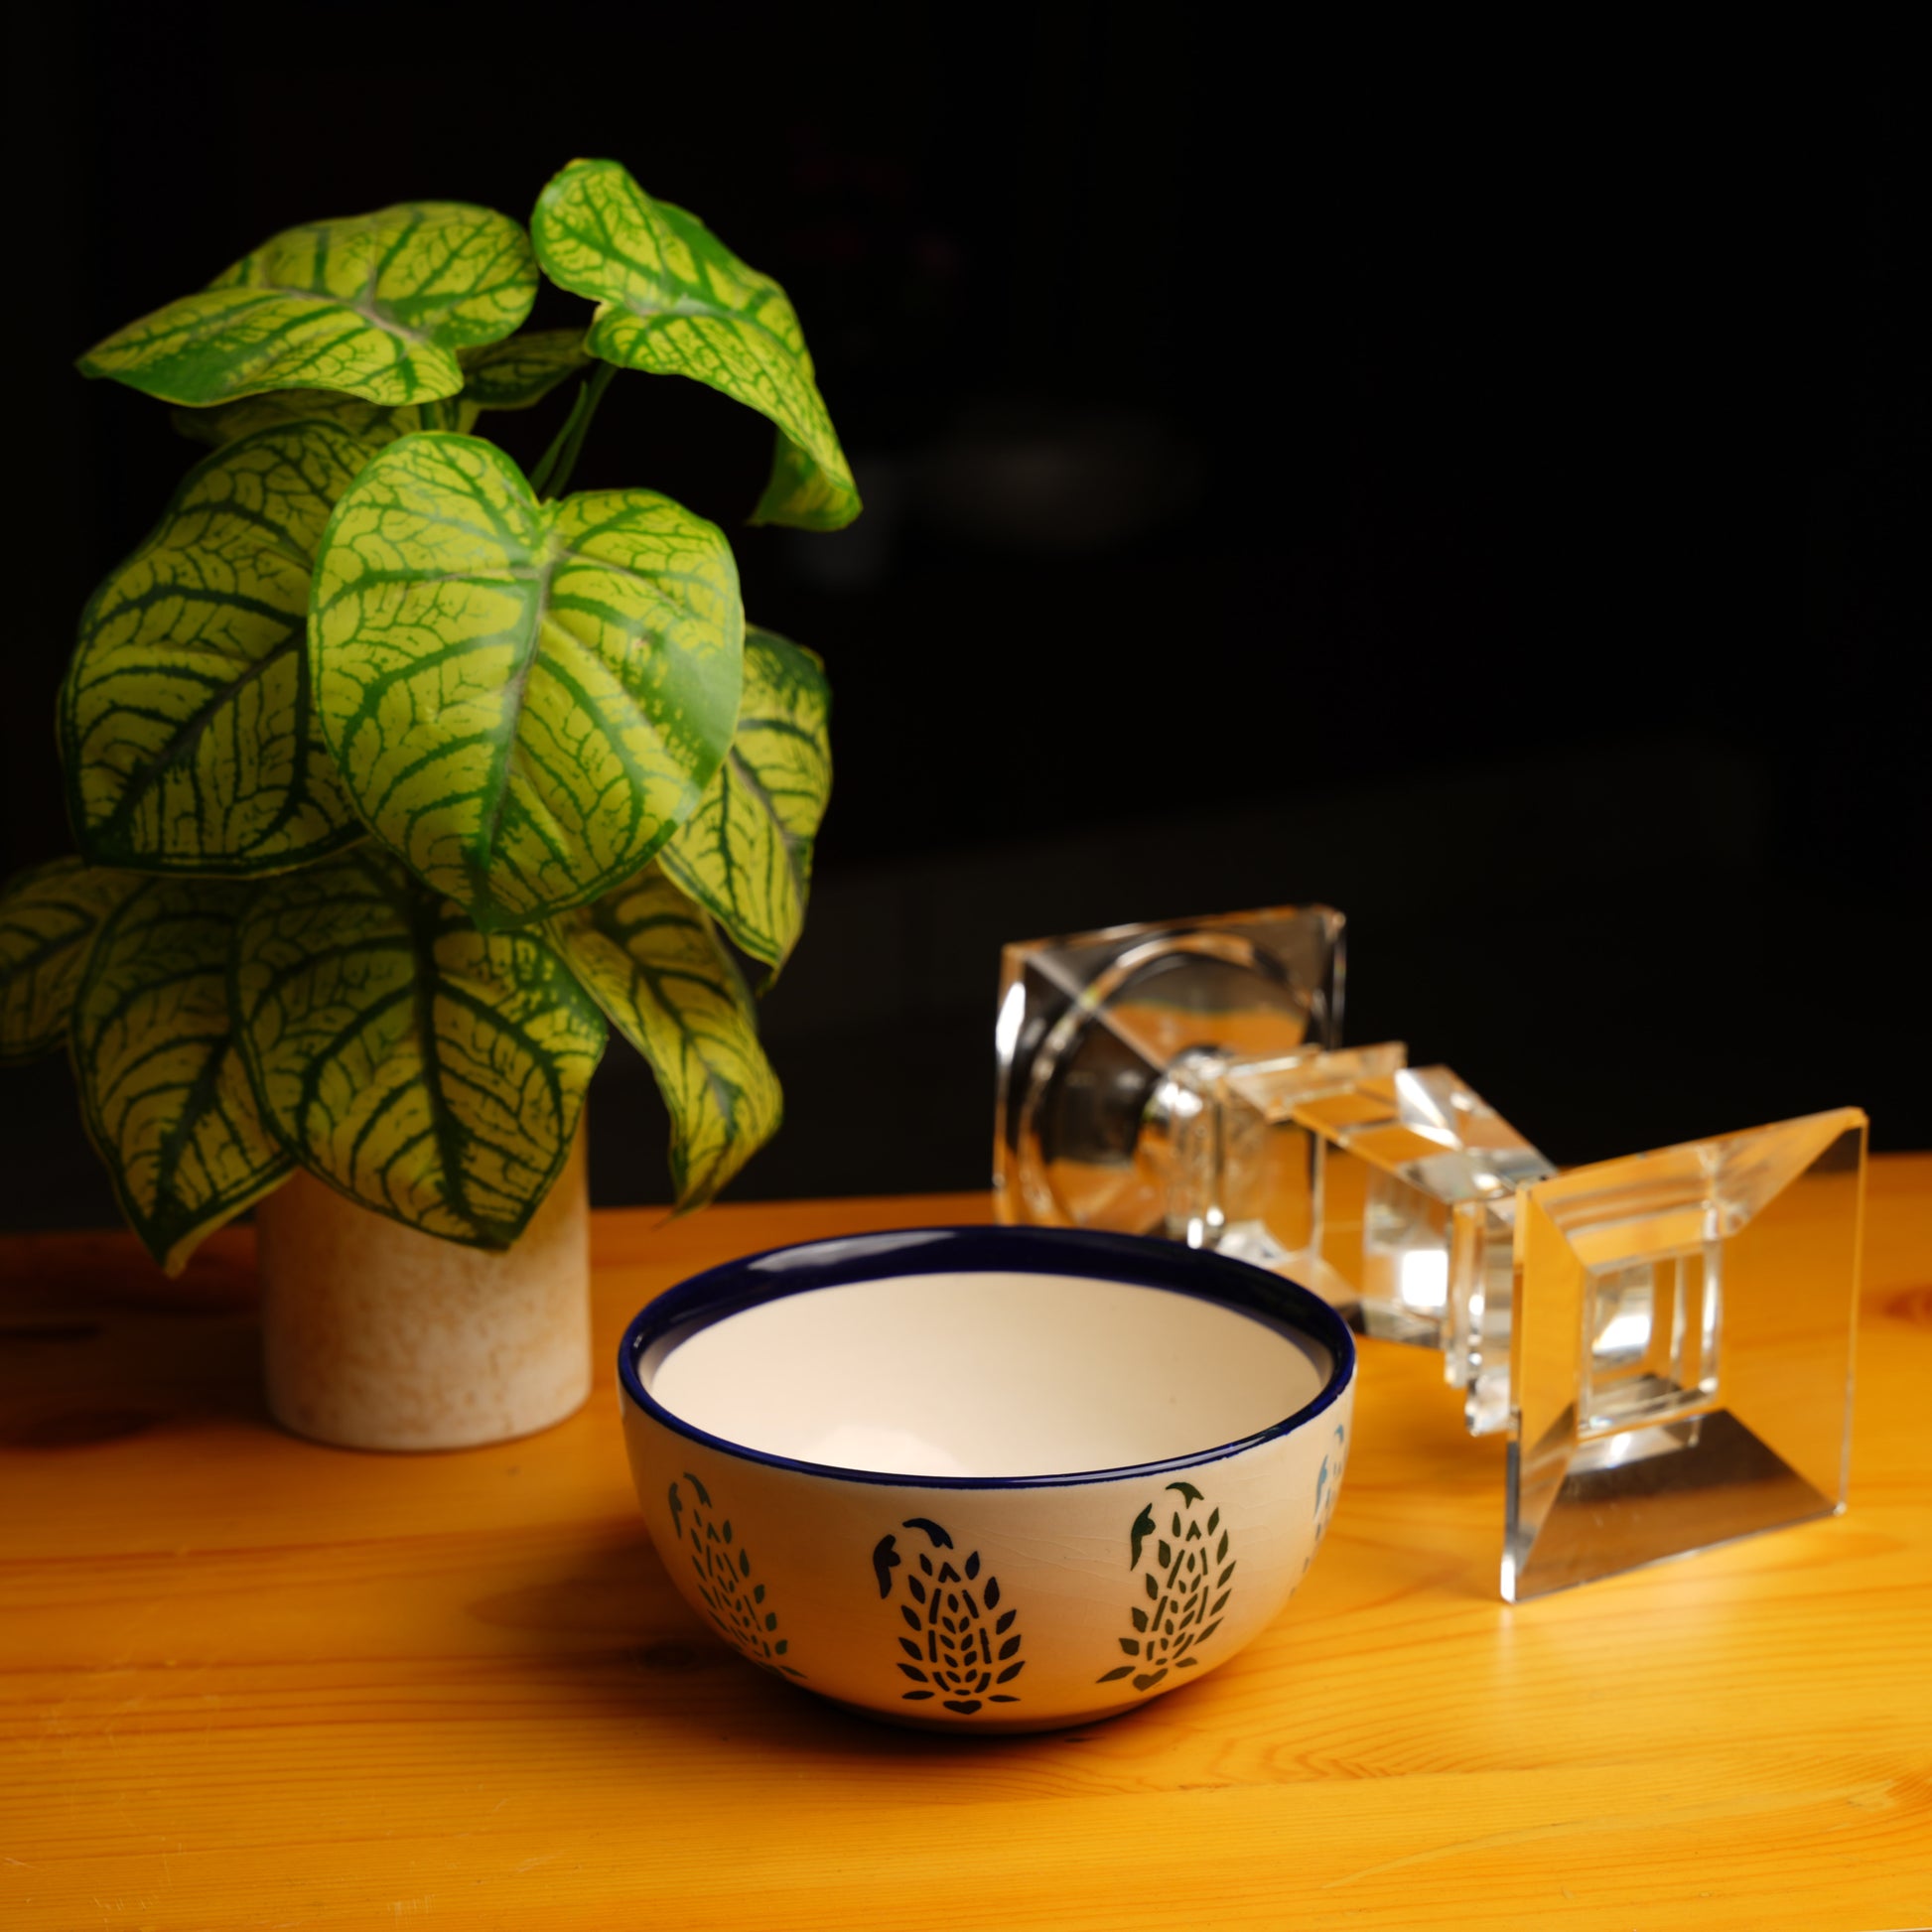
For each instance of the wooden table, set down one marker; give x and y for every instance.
(253, 1683)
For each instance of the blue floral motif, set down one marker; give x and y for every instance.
(1328, 1486)
(951, 1617)
(723, 1567)
(1328, 1483)
(1180, 1578)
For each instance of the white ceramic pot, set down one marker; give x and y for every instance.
(376, 1336)
(988, 1478)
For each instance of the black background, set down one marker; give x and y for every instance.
(1470, 487)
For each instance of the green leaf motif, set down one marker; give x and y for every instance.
(524, 700)
(746, 855)
(376, 305)
(369, 423)
(649, 959)
(522, 369)
(426, 1069)
(673, 300)
(162, 1088)
(49, 917)
(186, 721)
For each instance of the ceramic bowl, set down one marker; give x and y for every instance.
(988, 1478)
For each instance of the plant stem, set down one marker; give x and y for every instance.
(553, 471)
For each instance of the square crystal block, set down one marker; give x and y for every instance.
(1093, 1027)
(1408, 1150)
(1247, 1173)
(1681, 1360)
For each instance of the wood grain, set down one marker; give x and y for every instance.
(250, 1681)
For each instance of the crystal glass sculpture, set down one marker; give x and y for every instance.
(1664, 1389)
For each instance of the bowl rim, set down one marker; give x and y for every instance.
(1139, 1260)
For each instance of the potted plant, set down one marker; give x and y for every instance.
(398, 776)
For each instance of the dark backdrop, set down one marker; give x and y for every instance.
(1469, 488)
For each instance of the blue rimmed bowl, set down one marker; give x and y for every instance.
(988, 1478)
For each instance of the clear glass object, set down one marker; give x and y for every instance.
(1663, 1389)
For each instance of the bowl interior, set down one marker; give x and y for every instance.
(986, 1373)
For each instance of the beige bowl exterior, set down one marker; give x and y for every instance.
(376, 1336)
(873, 1593)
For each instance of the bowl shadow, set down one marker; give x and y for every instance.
(613, 1629)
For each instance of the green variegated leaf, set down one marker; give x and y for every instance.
(424, 1069)
(510, 374)
(161, 1089)
(673, 300)
(376, 305)
(651, 961)
(521, 370)
(524, 700)
(186, 721)
(49, 917)
(806, 493)
(747, 853)
(367, 422)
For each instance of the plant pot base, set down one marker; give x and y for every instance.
(376, 1336)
